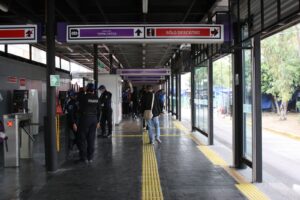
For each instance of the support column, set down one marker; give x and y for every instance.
(176, 95)
(111, 66)
(95, 65)
(50, 130)
(168, 94)
(172, 95)
(193, 97)
(210, 103)
(179, 97)
(238, 142)
(257, 124)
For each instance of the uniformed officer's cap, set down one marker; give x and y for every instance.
(90, 87)
(72, 93)
(101, 87)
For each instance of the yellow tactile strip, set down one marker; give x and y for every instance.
(151, 188)
(248, 189)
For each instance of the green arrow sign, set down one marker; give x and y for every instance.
(54, 80)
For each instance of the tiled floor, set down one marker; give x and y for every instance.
(185, 173)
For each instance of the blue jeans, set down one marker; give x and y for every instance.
(153, 125)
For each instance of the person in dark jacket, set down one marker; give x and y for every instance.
(135, 103)
(89, 109)
(72, 117)
(153, 124)
(106, 111)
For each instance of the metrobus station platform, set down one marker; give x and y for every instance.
(127, 167)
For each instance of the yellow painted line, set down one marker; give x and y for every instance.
(179, 126)
(57, 133)
(212, 156)
(151, 187)
(285, 134)
(251, 191)
(126, 136)
(248, 189)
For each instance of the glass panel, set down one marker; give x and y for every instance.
(65, 65)
(2, 47)
(222, 100)
(247, 102)
(57, 62)
(186, 98)
(78, 68)
(174, 95)
(21, 50)
(201, 98)
(39, 55)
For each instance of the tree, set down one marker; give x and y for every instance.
(281, 67)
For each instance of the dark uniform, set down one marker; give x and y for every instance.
(89, 117)
(72, 117)
(106, 113)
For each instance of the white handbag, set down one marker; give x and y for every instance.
(148, 113)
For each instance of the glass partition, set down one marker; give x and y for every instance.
(201, 98)
(247, 102)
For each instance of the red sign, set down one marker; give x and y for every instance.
(22, 82)
(12, 79)
(9, 124)
(18, 34)
(209, 32)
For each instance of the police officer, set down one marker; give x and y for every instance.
(72, 117)
(89, 121)
(106, 111)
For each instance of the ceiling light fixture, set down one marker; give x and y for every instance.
(145, 6)
(71, 50)
(3, 7)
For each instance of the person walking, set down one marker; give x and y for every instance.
(72, 117)
(106, 111)
(151, 102)
(89, 110)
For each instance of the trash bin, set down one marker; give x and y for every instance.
(20, 140)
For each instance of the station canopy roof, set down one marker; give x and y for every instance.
(111, 12)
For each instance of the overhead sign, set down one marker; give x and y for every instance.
(192, 33)
(18, 34)
(144, 72)
(12, 79)
(54, 80)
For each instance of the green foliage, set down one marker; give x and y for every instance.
(298, 105)
(222, 73)
(281, 64)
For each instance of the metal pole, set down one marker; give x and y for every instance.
(238, 141)
(111, 67)
(96, 65)
(210, 103)
(179, 97)
(172, 94)
(193, 96)
(50, 133)
(257, 126)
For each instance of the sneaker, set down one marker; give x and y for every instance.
(151, 142)
(86, 161)
(91, 161)
(158, 140)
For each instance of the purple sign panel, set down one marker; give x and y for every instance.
(87, 33)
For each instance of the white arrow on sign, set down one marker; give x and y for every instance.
(139, 32)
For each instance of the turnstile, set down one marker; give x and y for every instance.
(20, 140)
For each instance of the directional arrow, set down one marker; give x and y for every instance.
(29, 33)
(214, 32)
(138, 32)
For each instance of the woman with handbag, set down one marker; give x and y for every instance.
(152, 110)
